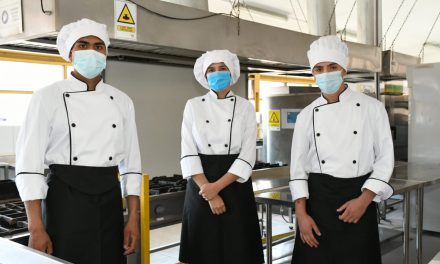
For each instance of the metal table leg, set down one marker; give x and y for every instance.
(268, 233)
(406, 219)
(419, 228)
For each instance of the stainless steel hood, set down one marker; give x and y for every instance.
(394, 65)
(163, 40)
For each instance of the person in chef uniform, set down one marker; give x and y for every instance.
(341, 161)
(219, 132)
(84, 130)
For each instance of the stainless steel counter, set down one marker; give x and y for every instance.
(13, 253)
(407, 178)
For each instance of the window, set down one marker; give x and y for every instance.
(20, 75)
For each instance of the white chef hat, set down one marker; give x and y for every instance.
(328, 48)
(216, 56)
(70, 33)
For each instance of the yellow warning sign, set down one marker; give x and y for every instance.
(274, 120)
(126, 16)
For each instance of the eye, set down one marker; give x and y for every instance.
(100, 47)
(210, 70)
(82, 45)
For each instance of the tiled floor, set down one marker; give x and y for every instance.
(391, 250)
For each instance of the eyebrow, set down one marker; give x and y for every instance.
(88, 43)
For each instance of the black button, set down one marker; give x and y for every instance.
(207, 121)
(75, 158)
(229, 120)
(73, 125)
(226, 145)
(203, 99)
(67, 95)
(358, 104)
(113, 125)
(318, 134)
(209, 145)
(316, 110)
(355, 132)
(111, 97)
(110, 158)
(232, 100)
(323, 162)
(354, 162)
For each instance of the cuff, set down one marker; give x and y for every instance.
(191, 165)
(299, 189)
(383, 189)
(242, 169)
(131, 184)
(31, 186)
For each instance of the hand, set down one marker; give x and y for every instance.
(307, 226)
(217, 205)
(209, 190)
(353, 210)
(131, 236)
(40, 240)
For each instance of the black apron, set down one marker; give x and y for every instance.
(340, 243)
(83, 214)
(229, 238)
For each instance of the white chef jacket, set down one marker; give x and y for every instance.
(345, 139)
(66, 124)
(214, 126)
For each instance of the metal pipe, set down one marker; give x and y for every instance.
(200, 4)
(321, 17)
(406, 219)
(366, 21)
(419, 229)
(268, 233)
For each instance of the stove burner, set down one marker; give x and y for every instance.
(164, 184)
(13, 218)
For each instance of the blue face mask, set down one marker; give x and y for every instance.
(329, 82)
(219, 80)
(89, 63)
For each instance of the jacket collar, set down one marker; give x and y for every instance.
(80, 86)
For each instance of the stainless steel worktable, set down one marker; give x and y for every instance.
(406, 179)
(14, 253)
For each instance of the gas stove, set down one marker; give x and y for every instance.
(167, 195)
(13, 220)
(164, 184)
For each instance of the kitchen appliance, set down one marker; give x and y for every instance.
(167, 195)
(13, 220)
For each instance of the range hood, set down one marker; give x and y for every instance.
(395, 64)
(261, 48)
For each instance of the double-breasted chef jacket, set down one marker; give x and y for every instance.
(219, 136)
(68, 125)
(346, 139)
(214, 126)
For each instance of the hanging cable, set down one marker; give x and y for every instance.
(404, 21)
(302, 11)
(249, 11)
(391, 23)
(176, 18)
(331, 17)
(45, 11)
(344, 31)
(296, 18)
(422, 50)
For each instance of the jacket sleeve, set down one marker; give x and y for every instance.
(190, 161)
(298, 159)
(384, 157)
(130, 167)
(243, 165)
(31, 149)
